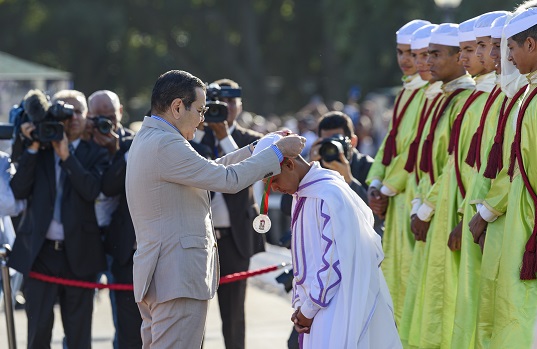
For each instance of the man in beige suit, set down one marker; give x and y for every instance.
(176, 268)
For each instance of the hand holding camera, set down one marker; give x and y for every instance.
(105, 135)
(62, 147)
(340, 165)
(334, 153)
(220, 129)
(27, 129)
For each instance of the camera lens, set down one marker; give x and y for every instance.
(103, 125)
(330, 151)
(49, 131)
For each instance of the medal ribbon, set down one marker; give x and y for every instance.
(264, 200)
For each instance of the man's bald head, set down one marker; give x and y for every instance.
(105, 103)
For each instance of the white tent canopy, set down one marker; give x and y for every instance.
(17, 76)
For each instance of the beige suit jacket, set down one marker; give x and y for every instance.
(167, 185)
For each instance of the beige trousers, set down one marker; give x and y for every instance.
(178, 323)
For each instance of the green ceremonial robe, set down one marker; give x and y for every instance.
(516, 300)
(396, 242)
(432, 91)
(470, 262)
(412, 312)
(495, 200)
(438, 267)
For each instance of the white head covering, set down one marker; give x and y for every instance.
(405, 32)
(510, 79)
(496, 28)
(421, 37)
(446, 34)
(483, 25)
(266, 142)
(466, 30)
(522, 21)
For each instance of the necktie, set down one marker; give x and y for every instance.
(59, 190)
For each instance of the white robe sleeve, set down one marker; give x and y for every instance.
(328, 276)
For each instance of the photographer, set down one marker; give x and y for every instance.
(350, 163)
(58, 234)
(233, 214)
(104, 127)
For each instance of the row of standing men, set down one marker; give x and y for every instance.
(457, 168)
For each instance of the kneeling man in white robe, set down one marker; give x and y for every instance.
(339, 292)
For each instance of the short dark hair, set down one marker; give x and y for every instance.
(523, 35)
(336, 119)
(171, 85)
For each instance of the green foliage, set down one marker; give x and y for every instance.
(280, 51)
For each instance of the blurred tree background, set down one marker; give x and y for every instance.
(281, 51)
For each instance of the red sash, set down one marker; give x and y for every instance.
(495, 159)
(426, 162)
(529, 260)
(455, 135)
(414, 146)
(474, 152)
(390, 148)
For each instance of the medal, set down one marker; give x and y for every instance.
(262, 223)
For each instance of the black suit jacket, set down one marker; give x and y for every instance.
(242, 206)
(35, 181)
(119, 235)
(360, 165)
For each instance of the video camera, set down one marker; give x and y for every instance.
(46, 117)
(331, 147)
(102, 124)
(218, 111)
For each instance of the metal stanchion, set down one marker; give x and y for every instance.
(8, 304)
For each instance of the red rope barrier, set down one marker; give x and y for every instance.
(128, 287)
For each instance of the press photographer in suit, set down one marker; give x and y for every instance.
(233, 214)
(105, 114)
(58, 234)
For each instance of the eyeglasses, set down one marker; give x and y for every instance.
(203, 110)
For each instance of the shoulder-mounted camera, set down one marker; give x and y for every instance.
(218, 110)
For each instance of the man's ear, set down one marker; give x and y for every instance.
(175, 107)
(530, 44)
(288, 163)
(354, 141)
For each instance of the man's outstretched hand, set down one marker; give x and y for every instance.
(291, 146)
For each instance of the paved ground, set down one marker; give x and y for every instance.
(267, 314)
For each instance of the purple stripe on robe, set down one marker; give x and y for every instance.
(321, 300)
(296, 266)
(305, 185)
(369, 317)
